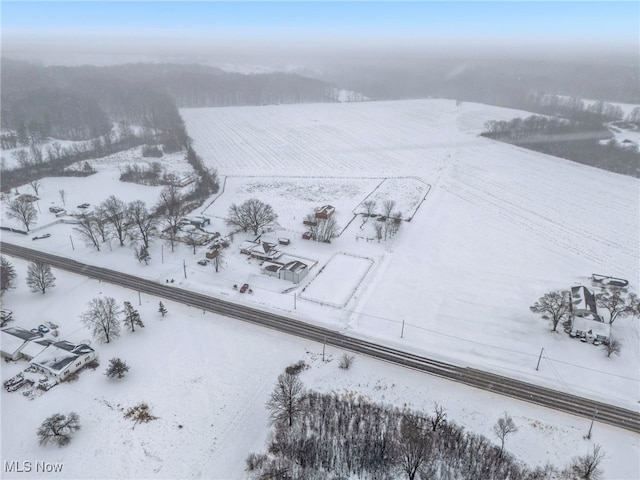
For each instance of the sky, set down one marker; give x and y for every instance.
(174, 25)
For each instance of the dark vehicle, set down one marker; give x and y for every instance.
(244, 288)
(5, 317)
(56, 209)
(84, 205)
(203, 262)
(43, 329)
(40, 237)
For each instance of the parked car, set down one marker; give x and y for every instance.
(244, 288)
(43, 329)
(40, 237)
(5, 317)
(35, 330)
(306, 235)
(84, 205)
(56, 209)
(203, 262)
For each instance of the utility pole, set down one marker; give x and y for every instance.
(184, 266)
(294, 300)
(323, 347)
(71, 238)
(595, 412)
(402, 331)
(139, 299)
(162, 252)
(540, 357)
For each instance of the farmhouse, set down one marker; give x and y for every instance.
(61, 359)
(13, 340)
(583, 303)
(294, 271)
(325, 212)
(260, 250)
(591, 329)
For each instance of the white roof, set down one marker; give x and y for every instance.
(34, 348)
(54, 359)
(10, 343)
(586, 325)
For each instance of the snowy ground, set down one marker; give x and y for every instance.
(209, 396)
(499, 227)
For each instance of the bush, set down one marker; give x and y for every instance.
(151, 151)
(140, 413)
(296, 368)
(346, 361)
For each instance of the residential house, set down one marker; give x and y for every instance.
(583, 303)
(13, 340)
(260, 250)
(199, 221)
(61, 359)
(590, 329)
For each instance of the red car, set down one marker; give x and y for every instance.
(244, 288)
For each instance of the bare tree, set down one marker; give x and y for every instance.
(39, 277)
(438, 418)
(87, 229)
(286, 401)
(116, 213)
(59, 428)
(22, 157)
(170, 209)
(415, 444)
(143, 221)
(63, 196)
(103, 319)
(218, 257)
(35, 185)
(618, 303)
(379, 228)
(587, 466)
(503, 427)
(7, 275)
(192, 238)
(387, 208)
(251, 215)
(322, 229)
(22, 210)
(142, 254)
(613, 346)
(369, 207)
(554, 306)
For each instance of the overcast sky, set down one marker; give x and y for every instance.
(180, 27)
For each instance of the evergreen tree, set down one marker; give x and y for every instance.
(132, 317)
(7, 275)
(117, 368)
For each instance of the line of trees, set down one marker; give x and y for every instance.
(319, 436)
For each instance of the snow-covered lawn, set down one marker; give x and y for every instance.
(338, 280)
(207, 379)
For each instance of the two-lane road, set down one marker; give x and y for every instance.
(554, 399)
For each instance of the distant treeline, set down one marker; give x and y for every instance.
(579, 141)
(500, 81)
(81, 103)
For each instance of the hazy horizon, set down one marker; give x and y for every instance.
(301, 33)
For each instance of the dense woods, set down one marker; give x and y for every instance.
(339, 437)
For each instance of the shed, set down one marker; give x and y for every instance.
(583, 303)
(325, 212)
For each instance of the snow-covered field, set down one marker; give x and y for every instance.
(497, 227)
(207, 379)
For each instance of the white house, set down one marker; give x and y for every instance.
(14, 339)
(61, 359)
(590, 329)
(260, 250)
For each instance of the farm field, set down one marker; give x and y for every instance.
(499, 227)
